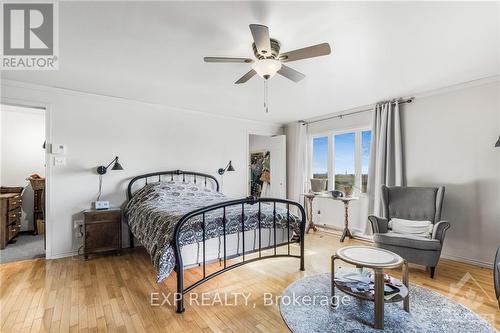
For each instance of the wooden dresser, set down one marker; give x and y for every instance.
(10, 217)
(102, 231)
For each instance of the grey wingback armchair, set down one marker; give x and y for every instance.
(411, 203)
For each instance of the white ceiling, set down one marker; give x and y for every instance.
(153, 52)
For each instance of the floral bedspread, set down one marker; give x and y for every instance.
(154, 211)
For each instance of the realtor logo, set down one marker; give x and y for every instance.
(469, 292)
(30, 32)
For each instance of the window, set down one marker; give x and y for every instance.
(346, 155)
(344, 160)
(366, 140)
(320, 157)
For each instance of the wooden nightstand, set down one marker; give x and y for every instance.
(102, 231)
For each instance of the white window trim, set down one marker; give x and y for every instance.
(331, 153)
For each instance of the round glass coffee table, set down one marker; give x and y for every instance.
(378, 260)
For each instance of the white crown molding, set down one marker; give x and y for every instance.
(459, 86)
(123, 100)
(418, 95)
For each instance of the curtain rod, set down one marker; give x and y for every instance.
(399, 101)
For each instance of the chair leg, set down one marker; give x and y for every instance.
(432, 269)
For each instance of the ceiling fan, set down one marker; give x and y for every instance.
(269, 60)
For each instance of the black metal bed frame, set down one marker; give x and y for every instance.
(179, 268)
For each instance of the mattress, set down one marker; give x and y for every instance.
(155, 210)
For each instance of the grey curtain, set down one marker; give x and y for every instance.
(386, 155)
(296, 160)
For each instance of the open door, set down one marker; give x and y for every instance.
(22, 236)
(278, 166)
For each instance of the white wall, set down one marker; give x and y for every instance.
(22, 136)
(449, 140)
(259, 142)
(449, 137)
(146, 137)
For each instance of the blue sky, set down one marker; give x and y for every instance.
(344, 153)
(366, 139)
(320, 155)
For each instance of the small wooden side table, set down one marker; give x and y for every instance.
(102, 231)
(308, 202)
(378, 260)
(346, 232)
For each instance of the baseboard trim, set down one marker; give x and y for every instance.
(474, 262)
(365, 238)
(368, 238)
(62, 255)
(338, 232)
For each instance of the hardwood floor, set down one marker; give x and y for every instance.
(113, 293)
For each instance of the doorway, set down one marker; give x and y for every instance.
(267, 166)
(23, 166)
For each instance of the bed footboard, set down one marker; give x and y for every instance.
(225, 264)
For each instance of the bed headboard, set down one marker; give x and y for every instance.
(194, 177)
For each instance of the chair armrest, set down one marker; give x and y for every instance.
(439, 230)
(379, 224)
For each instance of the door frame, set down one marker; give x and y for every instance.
(48, 165)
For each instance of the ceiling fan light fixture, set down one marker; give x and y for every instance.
(266, 68)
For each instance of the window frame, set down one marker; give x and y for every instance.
(331, 154)
(310, 172)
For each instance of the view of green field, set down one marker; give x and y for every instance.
(344, 180)
(320, 175)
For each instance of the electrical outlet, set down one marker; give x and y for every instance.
(78, 226)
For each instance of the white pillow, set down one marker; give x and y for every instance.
(415, 228)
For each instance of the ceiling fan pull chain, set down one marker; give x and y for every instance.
(266, 96)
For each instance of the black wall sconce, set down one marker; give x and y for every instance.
(103, 169)
(229, 167)
(498, 142)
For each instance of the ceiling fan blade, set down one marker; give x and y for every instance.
(291, 73)
(261, 38)
(228, 60)
(306, 52)
(246, 77)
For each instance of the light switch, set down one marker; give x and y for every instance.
(59, 160)
(58, 148)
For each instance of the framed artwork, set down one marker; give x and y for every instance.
(260, 175)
